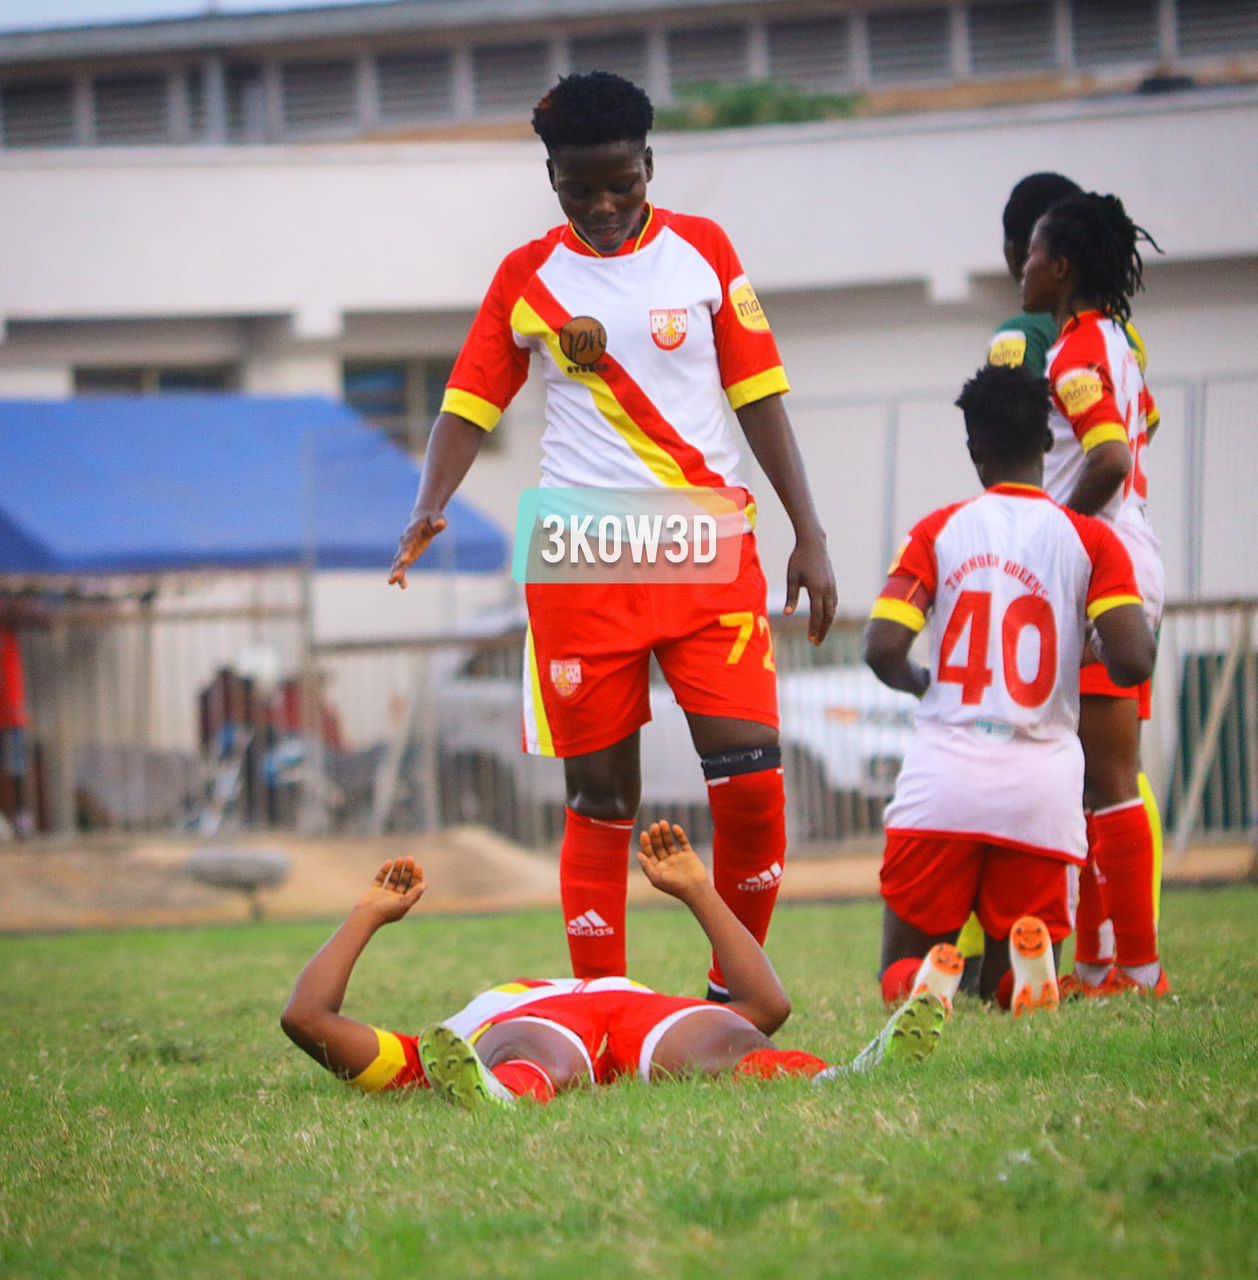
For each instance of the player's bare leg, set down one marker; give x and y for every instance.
(742, 764)
(904, 947)
(511, 1060)
(707, 1042)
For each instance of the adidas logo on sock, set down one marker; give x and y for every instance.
(589, 924)
(769, 879)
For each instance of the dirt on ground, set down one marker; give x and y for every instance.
(469, 869)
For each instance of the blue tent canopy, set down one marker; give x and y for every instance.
(181, 482)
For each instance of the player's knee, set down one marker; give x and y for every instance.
(774, 1015)
(605, 799)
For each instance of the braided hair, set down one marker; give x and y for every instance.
(1094, 233)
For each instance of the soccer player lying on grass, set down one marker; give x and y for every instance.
(535, 1039)
(988, 809)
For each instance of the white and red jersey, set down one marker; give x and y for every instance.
(640, 350)
(1099, 394)
(1009, 581)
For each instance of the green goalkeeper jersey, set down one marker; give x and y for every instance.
(1025, 340)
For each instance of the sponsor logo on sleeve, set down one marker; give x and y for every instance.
(1008, 349)
(1079, 390)
(669, 326)
(747, 306)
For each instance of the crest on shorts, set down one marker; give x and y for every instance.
(565, 675)
(668, 327)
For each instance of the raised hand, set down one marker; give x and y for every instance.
(415, 540)
(669, 862)
(398, 886)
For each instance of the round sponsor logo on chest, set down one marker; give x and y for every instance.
(669, 326)
(583, 340)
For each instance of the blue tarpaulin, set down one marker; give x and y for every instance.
(182, 482)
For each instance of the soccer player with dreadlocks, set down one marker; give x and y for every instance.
(646, 328)
(1082, 268)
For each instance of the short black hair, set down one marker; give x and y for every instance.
(1030, 200)
(592, 109)
(1006, 414)
(1094, 233)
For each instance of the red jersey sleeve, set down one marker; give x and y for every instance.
(396, 1066)
(492, 366)
(1113, 581)
(751, 367)
(913, 577)
(1083, 390)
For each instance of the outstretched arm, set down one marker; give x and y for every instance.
(313, 1020)
(452, 448)
(768, 431)
(673, 867)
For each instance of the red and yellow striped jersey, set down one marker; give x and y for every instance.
(639, 350)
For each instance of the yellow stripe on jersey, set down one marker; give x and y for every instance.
(1103, 434)
(772, 382)
(1106, 603)
(545, 741)
(1136, 342)
(1154, 418)
(908, 615)
(472, 407)
(528, 324)
(390, 1060)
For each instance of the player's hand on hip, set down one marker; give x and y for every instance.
(809, 567)
(669, 862)
(398, 886)
(415, 539)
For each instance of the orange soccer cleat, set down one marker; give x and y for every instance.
(1070, 986)
(940, 974)
(1117, 983)
(1034, 973)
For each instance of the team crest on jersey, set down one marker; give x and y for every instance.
(565, 675)
(669, 326)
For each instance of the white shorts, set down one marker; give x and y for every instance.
(1146, 558)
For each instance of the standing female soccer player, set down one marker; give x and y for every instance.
(645, 324)
(1083, 266)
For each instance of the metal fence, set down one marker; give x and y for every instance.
(148, 719)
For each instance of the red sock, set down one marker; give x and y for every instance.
(526, 1079)
(1124, 857)
(1004, 991)
(897, 982)
(748, 849)
(1092, 911)
(593, 884)
(769, 1064)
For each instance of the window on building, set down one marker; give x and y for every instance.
(246, 103)
(708, 55)
(909, 45)
(194, 96)
(1217, 26)
(813, 54)
(1011, 37)
(148, 380)
(38, 113)
(1117, 31)
(509, 78)
(416, 86)
(401, 397)
(131, 110)
(621, 52)
(319, 97)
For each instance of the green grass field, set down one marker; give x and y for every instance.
(154, 1121)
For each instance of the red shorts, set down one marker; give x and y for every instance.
(587, 663)
(618, 1031)
(934, 882)
(1094, 682)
